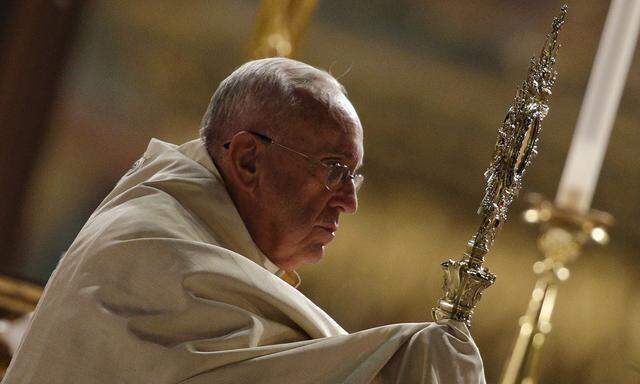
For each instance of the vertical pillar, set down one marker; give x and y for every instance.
(34, 42)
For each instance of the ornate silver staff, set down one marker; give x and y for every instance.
(465, 279)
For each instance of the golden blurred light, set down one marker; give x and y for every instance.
(538, 340)
(544, 214)
(526, 329)
(545, 327)
(531, 216)
(280, 44)
(563, 274)
(539, 267)
(599, 235)
(538, 294)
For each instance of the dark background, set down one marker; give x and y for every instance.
(431, 82)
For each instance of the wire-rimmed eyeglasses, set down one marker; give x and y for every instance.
(337, 173)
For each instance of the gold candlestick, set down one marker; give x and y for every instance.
(279, 27)
(563, 234)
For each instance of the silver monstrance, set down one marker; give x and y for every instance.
(465, 279)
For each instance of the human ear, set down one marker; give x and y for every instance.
(243, 153)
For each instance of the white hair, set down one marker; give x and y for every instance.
(263, 95)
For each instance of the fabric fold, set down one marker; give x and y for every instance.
(165, 285)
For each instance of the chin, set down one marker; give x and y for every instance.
(316, 255)
(309, 256)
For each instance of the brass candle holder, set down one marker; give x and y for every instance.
(563, 234)
(17, 298)
(280, 25)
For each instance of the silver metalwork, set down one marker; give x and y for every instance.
(465, 279)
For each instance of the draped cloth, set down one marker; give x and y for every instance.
(165, 285)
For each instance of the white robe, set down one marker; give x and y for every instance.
(164, 285)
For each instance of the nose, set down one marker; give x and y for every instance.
(345, 198)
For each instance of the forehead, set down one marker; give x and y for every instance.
(333, 132)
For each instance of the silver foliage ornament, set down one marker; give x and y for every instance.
(516, 146)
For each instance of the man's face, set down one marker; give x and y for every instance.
(299, 216)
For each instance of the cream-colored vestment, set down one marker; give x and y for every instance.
(164, 285)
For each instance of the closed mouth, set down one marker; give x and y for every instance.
(329, 227)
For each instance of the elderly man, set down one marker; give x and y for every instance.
(185, 273)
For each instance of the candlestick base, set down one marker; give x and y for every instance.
(563, 233)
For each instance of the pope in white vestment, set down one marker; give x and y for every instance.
(165, 285)
(184, 272)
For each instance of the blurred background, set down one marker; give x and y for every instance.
(431, 82)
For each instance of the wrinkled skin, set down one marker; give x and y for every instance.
(281, 196)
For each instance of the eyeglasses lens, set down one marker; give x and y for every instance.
(338, 174)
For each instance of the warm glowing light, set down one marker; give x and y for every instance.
(538, 294)
(563, 273)
(539, 267)
(531, 215)
(545, 327)
(599, 235)
(544, 214)
(526, 329)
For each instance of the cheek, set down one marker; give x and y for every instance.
(302, 209)
(294, 199)
(298, 204)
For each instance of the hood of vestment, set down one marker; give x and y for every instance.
(189, 176)
(164, 285)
